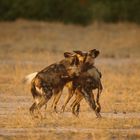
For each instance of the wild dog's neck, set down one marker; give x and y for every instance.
(86, 66)
(66, 64)
(90, 60)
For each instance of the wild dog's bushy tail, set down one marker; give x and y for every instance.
(29, 78)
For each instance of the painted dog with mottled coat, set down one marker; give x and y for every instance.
(51, 80)
(87, 60)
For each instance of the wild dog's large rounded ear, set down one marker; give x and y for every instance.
(80, 53)
(67, 54)
(94, 53)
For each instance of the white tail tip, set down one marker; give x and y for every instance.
(29, 78)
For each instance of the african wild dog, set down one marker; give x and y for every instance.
(87, 62)
(52, 79)
(85, 58)
(85, 83)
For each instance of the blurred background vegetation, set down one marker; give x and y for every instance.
(71, 11)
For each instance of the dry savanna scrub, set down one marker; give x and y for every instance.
(27, 47)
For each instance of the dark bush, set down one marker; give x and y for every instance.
(75, 11)
(119, 10)
(71, 11)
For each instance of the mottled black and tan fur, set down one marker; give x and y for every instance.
(51, 80)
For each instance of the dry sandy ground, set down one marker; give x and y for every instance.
(26, 47)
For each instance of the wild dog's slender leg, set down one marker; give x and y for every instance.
(38, 108)
(92, 96)
(32, 108)
(70, 95)
(98, 107)
(77, 92)
(88, 97)
(44, 92)
(78, 109)
(58, 95)
(55, 94)
(54, 98)
(80, 96)
(97, 100)
(34, 94)
(35, 106)
(44, 100)
(76, 103)
(73, 103)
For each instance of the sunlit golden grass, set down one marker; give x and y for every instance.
(22, 119)
(121, 94)
(26, 47)
(18, 40)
